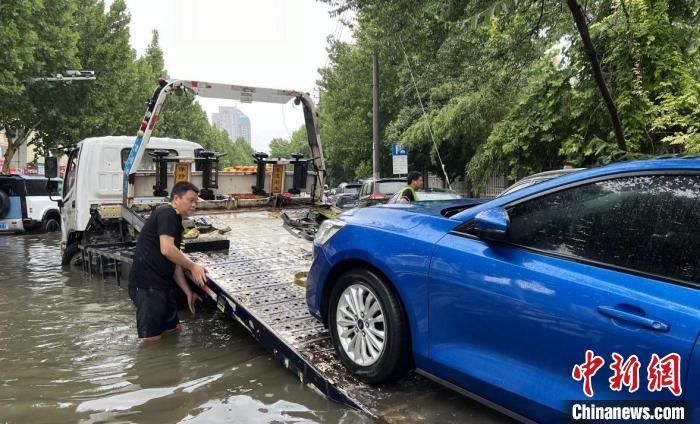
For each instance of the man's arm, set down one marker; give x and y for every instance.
(182, 282)
(404, 196)
(174, 255)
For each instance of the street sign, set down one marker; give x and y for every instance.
(400, 164)
(399, 150)
(399, 159)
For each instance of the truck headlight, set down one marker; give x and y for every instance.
(327, 230)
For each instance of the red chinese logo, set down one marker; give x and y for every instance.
(662, 373)
(587, 370)
(624, 373)
(665, 373)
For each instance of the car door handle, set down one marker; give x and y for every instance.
(650, 323)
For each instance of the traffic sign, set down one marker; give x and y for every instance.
(399, 150)
(400, 164)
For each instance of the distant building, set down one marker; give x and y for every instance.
(233, 121)
(244, 124)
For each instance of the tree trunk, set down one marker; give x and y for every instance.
(13, 145)
(582, 26)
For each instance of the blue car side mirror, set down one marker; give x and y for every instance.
(492, 224)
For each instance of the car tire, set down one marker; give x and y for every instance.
(359, 345)
(4, 204)
(50, 225)
(71, 256)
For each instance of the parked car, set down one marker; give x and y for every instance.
(346, 196)
(345, 202)
(500, 301)
(25, 205)
(376, 192)
(538, 178)
(429, 195)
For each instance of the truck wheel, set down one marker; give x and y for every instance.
(4, 204)
(71, 256)
(368, 328)
(50, 225)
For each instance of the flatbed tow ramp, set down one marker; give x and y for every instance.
(254, 283)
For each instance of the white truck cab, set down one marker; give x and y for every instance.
(93, 182)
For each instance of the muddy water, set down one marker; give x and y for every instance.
(69, 353)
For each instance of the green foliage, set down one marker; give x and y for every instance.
(44, 38)
(507, 87)
(37, 39)
(284, 148)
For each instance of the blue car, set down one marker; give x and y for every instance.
(547, 295)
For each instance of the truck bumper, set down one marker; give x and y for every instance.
(11, 226)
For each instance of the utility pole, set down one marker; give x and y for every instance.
(375, 117)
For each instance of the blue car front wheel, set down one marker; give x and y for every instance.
(368, 327)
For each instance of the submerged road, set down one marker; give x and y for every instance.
(69, 353)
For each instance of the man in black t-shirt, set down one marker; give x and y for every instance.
(158, 261)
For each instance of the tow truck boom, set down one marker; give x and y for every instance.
(244, 94)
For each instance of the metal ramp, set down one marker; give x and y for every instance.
(253, 283)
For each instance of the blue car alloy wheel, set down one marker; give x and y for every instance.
(368, 327)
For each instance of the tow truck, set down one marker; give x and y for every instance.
(256, 269)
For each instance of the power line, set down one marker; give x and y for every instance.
(339, 28)
(420, 100)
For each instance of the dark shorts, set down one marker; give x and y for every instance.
(156, 310)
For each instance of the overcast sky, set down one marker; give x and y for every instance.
(263, 43)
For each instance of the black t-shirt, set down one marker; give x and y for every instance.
(151, 268)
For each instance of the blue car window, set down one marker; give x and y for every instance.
(647, 224)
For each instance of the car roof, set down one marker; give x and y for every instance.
(554, 172)
(436, 190)
(687, 163)
(657, 164)
(380, 180)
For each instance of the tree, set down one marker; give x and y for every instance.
(582, 26)
(284, 148)
(38, 40)
(515, 93)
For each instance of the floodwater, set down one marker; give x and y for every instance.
(69, 353)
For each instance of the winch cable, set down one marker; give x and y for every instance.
(420, 101)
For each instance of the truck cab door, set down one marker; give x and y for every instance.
(69, 195)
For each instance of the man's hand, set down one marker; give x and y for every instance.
(198, 274)
(192, 298)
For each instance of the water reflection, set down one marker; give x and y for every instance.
(69, 353)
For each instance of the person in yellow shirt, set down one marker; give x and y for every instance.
(414, 182)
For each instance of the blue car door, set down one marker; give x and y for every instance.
(607, 266)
